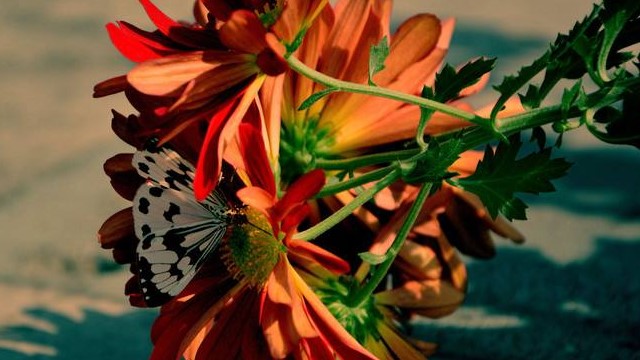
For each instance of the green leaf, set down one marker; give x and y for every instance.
(373, 259)
(511, 84)
(377, 55)
(433, 164)
(617, 15)
(425, 115)
(315, 97)
(560, 61)
(539, 136)
(449, 82)
(500, 175)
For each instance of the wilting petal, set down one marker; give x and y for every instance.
(433, 298)
(115, 228)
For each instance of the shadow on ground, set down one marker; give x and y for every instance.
(97, 337)
(585, 310)
(601, 182)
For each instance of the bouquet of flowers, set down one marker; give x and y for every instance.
(304, 180)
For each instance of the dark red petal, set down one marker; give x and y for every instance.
(210, 160)
(300, 191)
(110, 86)
(116, 228)
(124, 178)
(244, 32)
(294, 217)
(254, 153)
(271, 60)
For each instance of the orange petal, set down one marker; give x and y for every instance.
(399, 346)
(434, 298)
(165, 75)
(244, 32)
(257, 198)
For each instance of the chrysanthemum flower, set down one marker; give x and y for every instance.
(252, 286)
(343, 123)
(210, 71)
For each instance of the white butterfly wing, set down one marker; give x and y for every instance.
(177, 232)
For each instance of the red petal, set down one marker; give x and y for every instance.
(255, 155)
(319, 255)
(210, 161)
(300, 191)
(129, 47)
(244, 32)
(194, 38)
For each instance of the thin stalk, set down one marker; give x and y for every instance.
(345, 211)
(339, 85)
(366, 160)
(355, 182)
(380, 272)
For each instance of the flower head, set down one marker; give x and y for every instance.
(188, 74)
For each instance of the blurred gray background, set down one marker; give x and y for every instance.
(572, 291)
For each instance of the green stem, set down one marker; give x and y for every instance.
(366, 160)
(354, 182)
(339, 85)
(348, 209)
(380, 271)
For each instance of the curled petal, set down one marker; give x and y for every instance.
(433, 298)
(116, 228)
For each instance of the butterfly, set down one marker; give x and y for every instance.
(177, 233)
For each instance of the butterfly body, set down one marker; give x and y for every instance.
(177, 233)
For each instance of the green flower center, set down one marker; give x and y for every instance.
(253, 251)
(301, 143)
(361, 320)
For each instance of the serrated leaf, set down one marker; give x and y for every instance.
(373, 259)
(531, 99)
(500, 175)
(570, 97)
(434, 164)
(377, 56)
(539, 136)
(560, 61)
(511, 84)
(617, 15)
(449, 82)
(315, 97)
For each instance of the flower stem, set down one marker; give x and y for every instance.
(339, 85)
(345, 211)
(380, 271)
(365, 160)
(354, 182)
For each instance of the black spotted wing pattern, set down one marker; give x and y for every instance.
(176, 232)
